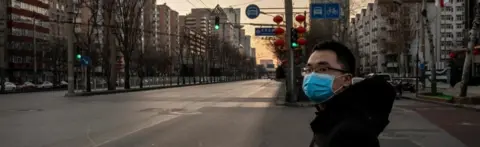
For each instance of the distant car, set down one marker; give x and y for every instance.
(27, 85)
(357, 79)
(45, 85)
(9, 86)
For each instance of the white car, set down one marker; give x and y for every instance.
(9, 86)
(45, 84)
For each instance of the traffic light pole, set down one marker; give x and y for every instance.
(69, 27)
(288, 35)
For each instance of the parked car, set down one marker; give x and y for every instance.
(45, 85)
(9, 86)
(27, 86)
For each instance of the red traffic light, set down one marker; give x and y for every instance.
(278, 19)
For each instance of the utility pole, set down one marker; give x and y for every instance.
(289, 25)
(69, 29)
(3, 45)
(34, 50)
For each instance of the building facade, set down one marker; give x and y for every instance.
(384, 48)
(26, 35)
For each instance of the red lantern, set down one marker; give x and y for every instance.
(301, 30)
(279, 31)
(301, 41)
(279, 42)
(452, 55)
(278, 19)
(300, 18)
(476, 52)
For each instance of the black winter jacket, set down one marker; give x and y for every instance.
(356, 116)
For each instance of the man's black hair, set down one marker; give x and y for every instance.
(344, 55)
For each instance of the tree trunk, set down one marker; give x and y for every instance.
(127, 70)
(89, 85)
(468, 55)
(432, 56)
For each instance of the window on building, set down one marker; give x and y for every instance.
(460, 8)
(459, 34)
(446, 17)
(446, 34)
(448, 8)
(446, 26)
(459, 0)
(459, 25)
(460, 17)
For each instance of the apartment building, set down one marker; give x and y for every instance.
(380, 42)
(384, 33)
(167, 29)
(234, 16)
(199, 19)
(26, 21)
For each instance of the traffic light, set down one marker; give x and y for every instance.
(294, 38)
(217, 22)
(79, 56)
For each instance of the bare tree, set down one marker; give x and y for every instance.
(87, 37)
(127, 18)
(400, 32)
(54, 58)
(468, 55)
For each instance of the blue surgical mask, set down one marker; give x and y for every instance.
(318, 87)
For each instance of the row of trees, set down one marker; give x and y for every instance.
(117, 28)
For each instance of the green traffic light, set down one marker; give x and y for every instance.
(294, 44)
(79, 56)
(217, 27)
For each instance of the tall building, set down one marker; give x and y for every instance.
(233, 15)
(167, 29)
(148, 24)
(382, 47)
(384, 31)
(199, 19)
(26, 20)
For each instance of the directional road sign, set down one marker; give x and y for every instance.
(252, 11)
(85, 60)
(264, 31)
(325, 10)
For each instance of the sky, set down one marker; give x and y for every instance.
(184, 7)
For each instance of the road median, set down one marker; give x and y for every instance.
(104, 92)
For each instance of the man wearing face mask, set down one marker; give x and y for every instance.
(348, 115)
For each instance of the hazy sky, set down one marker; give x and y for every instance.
(184, 6)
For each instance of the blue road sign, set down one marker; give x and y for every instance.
(325, 10)
(252, 11)
(85, 60)
(421, 66)
(264, 31)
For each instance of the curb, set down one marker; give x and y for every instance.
(444, 103)
(140, 89)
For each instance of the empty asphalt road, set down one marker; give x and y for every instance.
(236, 114)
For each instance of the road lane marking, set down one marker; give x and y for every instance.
(164, 119)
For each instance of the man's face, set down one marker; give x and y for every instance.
(325, 61)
